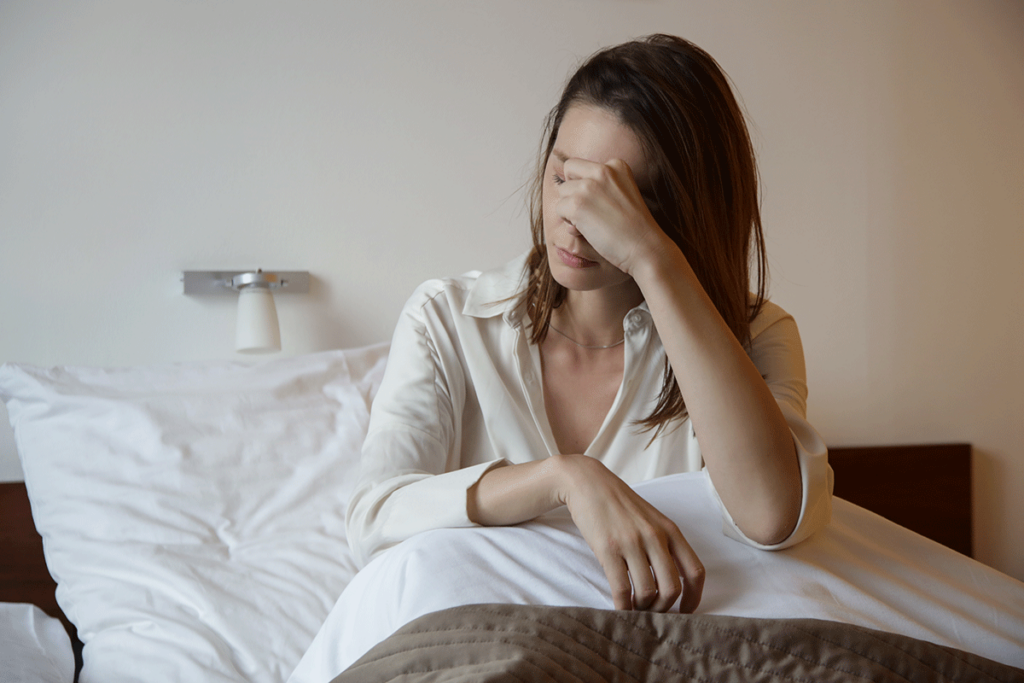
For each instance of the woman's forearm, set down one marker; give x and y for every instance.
(744, 438)
(515, 493)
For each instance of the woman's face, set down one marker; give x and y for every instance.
(595, 134)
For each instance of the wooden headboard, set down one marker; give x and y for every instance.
(924, 488)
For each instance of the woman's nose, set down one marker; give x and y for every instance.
(571, 228)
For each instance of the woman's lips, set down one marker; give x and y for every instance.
(573, 261)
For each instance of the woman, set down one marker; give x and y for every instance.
(625, 346)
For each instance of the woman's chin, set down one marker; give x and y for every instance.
(576, 279)
(588, 279)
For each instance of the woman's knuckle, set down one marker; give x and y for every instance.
(654, 535)
(657, 533)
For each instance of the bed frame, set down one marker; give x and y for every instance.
(924, 488)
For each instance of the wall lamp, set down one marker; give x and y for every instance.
(257, 329)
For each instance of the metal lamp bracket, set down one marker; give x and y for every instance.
(204, 282)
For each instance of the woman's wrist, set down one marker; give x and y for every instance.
(572, 473)
(514, 493)
(662, 259)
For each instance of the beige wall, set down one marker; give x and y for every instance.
(378, 144)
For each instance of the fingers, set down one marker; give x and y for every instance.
(691, 571)
(588, 185)
(653, 575)
(670, 586)
(594, 187)
(574, 169)
(582, 168)
(618, 579)
(646, 588)
(667, 570)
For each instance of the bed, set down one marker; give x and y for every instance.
(191, 521)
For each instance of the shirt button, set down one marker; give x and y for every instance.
(528, 377)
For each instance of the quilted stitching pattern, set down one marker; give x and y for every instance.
(485, 643)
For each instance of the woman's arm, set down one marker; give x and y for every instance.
(746, 443)
(630, 537)
(744, 438)
(410, 479)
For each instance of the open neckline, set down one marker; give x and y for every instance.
(540, 411)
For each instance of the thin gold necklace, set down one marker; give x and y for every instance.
(584, 346)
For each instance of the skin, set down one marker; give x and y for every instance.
(606, 249)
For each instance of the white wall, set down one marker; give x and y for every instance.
(378, 144)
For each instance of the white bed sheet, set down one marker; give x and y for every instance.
(862, 569)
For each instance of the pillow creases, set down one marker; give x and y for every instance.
(186, 507)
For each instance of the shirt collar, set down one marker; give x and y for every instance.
(494, 292)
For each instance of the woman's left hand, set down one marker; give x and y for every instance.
(604, 203)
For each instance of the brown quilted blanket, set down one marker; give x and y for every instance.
(482, 643)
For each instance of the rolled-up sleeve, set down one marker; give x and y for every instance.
(777, 352)
(411, 478)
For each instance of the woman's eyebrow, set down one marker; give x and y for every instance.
(560, 155)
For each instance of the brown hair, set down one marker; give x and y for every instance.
(703, 180)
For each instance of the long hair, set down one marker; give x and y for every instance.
(703, 189)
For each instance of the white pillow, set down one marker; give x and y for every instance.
(193, 514)
(34, 648)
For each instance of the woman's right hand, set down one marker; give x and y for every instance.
(647, 560)
(644, 555)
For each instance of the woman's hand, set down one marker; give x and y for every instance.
(605, 205)
(647, 560)
(645, 557)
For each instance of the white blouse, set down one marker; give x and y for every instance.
(462, 393)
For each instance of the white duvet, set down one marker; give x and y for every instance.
(862, 569)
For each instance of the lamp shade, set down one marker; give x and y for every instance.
(257, 330)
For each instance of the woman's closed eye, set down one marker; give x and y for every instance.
(557, 178)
